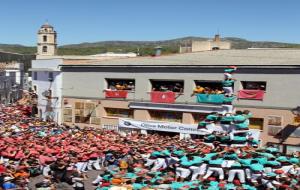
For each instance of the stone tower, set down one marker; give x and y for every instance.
(46, 45)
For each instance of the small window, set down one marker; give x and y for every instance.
(34, 88)
(34, 75)
(166, 116)
(45, 49)
(290, 149)
(198, 117)
(67, 115)
(275, 120)
(117, 112)
(121, 84)
(45, 38)
(254, 85)
(50, 76)
(167, 85)
(208, 87)
(256, 123)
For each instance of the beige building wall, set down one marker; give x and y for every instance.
(209, 45)
(287, 120)
(187, 118)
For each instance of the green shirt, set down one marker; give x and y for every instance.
(228, 99)
(243, 125)
(197, 160)
(155, 154)
(229, 70)
(202, 124)
(178, 152)
(228, 83)
(273, 163)
(218, 161)
(294, 160)
(248, 187)
(166, 152)
(137, 186)
(256, 167)
(282, 159)
(186, 163)
(239, 118)
(212, 117)
(240, 139)
(209, 156)
(229, 118)
(245, 162)
(261, 160)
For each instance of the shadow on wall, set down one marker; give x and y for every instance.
(286, 132)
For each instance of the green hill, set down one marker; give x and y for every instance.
(143, 47)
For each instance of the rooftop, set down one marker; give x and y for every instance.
(46, 25)
(247, 57)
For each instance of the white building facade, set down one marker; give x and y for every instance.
(11, 82)
(47, 84)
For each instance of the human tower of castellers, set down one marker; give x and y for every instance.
(225, 159)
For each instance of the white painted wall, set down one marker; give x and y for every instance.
(43, 84)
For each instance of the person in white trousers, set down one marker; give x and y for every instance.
(236, 169)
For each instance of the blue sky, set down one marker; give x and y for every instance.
(79, 21)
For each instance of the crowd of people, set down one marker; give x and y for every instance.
(168, 87)
(121, 85)
(30, 147)
(227, 85)
(226, 158)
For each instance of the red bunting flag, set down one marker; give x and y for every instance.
(162, 97)
(116, 94)
(251, 94)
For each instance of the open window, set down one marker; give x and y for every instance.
(254, 85)
(256, 123)
(120, 84)
(167, 85)
(169, 116)
(35, 76)
(118, 112)
(208, 87)
(50, 76)
(252, 90)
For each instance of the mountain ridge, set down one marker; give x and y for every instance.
(144, 47)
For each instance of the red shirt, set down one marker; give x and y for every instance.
(20, 154)
(2, 169)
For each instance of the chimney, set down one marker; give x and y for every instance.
(217, 38)
(157, 51)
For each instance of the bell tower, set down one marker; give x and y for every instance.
(46, 45)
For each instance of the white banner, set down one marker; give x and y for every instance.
(159, 126)
(176, 127)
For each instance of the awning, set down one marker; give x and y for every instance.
(199, 108)
(43, 69)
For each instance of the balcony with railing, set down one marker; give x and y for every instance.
(252, 90)
(251, 94)
(164, 91)
(119, 88)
